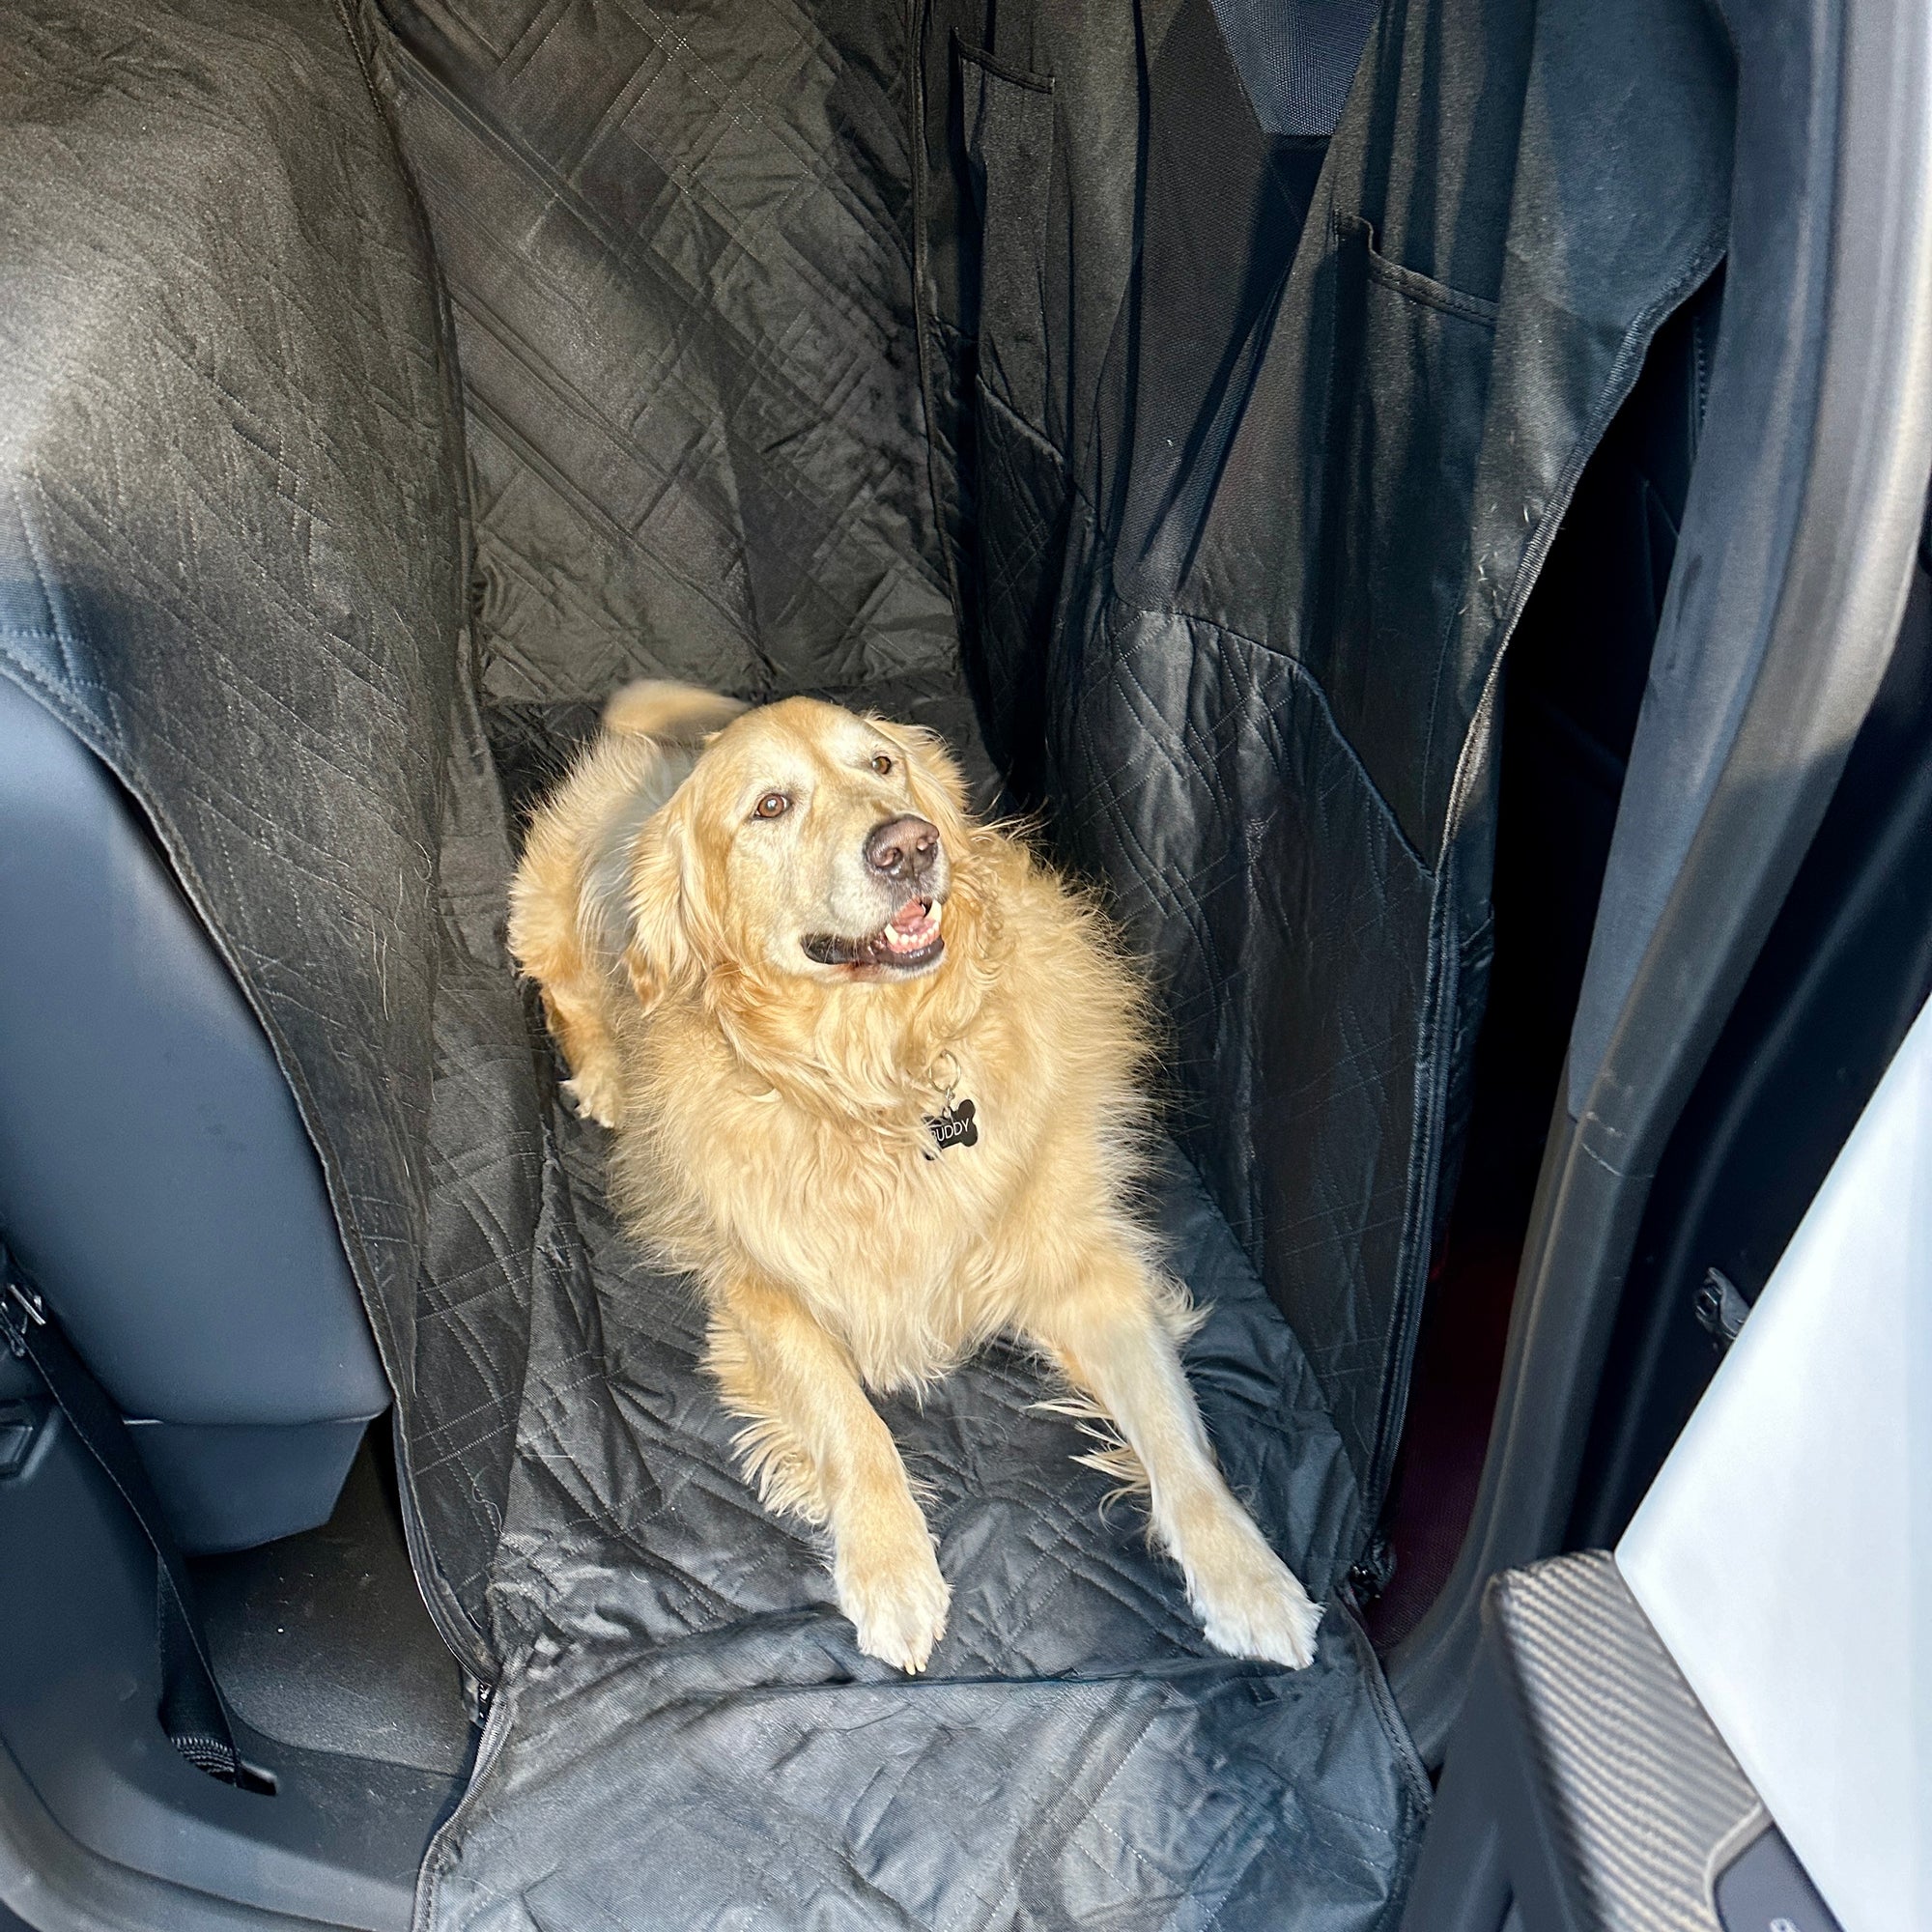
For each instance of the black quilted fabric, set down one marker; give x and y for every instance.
(675, 249)
(1259, 500)
(376, 389)
(688, 1736)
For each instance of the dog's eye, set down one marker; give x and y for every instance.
(882, 764)
(774, 805)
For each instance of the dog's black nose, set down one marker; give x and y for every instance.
(904, 848)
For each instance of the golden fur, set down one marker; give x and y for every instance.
(686, 902)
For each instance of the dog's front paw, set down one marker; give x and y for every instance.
(896, 1599)
(595, 1096)
(1251, 1604)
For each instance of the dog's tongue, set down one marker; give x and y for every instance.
(910, 916)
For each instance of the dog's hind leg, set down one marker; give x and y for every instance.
(1114, 1341)
(573, 1005)
(595, 1087)
(813, 1442)
(547, 940)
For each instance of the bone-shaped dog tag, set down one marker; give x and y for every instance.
(953, 1125)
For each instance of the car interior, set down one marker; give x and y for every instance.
(1330, 469)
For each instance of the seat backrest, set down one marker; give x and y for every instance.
(154, 1175)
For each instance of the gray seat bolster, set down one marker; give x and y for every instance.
(155, 1175)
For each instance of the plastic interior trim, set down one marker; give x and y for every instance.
(1804, 1464)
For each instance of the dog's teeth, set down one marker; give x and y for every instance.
(897, 938)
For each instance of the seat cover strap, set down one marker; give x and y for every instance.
(191, 1709)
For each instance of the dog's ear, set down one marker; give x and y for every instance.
(658, 952)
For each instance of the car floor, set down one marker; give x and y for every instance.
(322, 1641)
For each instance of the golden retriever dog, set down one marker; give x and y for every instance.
(874, 1077)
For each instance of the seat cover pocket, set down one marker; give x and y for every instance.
(1407, 395)
(1007, 122)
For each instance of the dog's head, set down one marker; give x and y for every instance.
(808, 844)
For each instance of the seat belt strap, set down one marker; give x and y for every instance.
(192, 1712)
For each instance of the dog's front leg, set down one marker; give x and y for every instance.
(1110, 1340)
(826, 1452)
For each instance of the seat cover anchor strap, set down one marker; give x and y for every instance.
(192, 1708)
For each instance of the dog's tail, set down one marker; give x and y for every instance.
(672, 714)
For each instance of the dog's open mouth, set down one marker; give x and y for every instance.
(909, 939)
